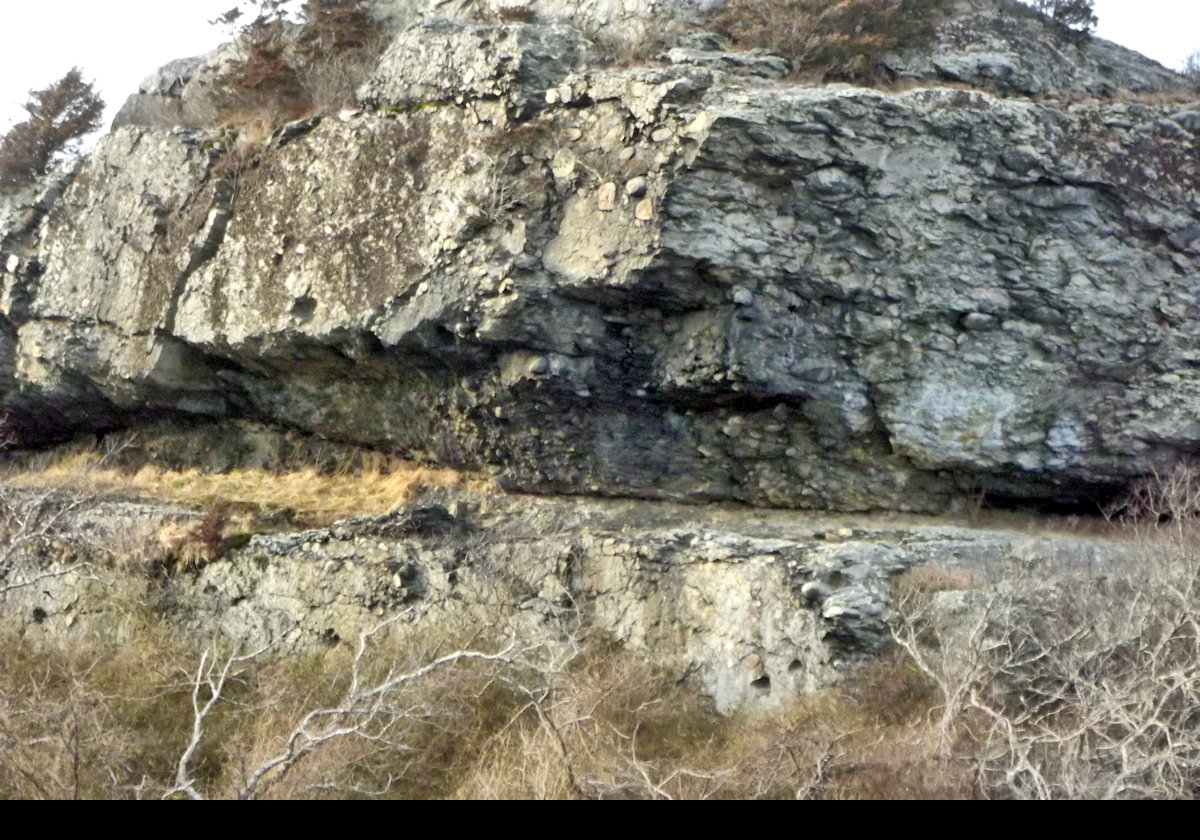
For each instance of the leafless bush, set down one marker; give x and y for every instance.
(1167, 497)
(384, 707)
(1069, 687)
(1190, 68)
(84, 724)
(31, 525)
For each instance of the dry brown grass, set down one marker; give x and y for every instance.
(931, 579)
(1165, 97)
(91, 722)
(617, 728)
(111, 722)
(306, 496)
(191, 545)
(830, 38)
(293, 71)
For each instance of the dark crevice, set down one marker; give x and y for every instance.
(1084, 500)
(217, 220)
(744, 403)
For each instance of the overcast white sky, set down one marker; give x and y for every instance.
(118, 42)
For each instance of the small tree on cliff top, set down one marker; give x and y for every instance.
(1073, 14)
(58, 117)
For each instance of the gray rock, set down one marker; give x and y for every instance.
(1189, 119)
(444, 60)
(1005, 46)
(978, 321)
(760, 63)
(181, 92)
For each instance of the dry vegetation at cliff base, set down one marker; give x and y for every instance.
(113, 721)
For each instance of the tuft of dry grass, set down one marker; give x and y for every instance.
(517, 14)
(838, 39)
(188, 546)
(932, 579)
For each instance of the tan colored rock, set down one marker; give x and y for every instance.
(606, 196)
(563, 165)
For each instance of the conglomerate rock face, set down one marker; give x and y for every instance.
(685, 280)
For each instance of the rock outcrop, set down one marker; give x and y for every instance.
(686, 280)
(682, 281)
(1007, 47)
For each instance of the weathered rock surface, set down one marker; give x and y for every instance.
(683, 281)
(613, 20)
(760, 606)
(447, 61)
(1005, 46)
(180, 93)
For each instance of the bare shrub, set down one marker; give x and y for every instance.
(93, 722)
(1169, 496)
(1057, 686)
(431, 715)
(33, 524)
(1190, 69)
(616, 727)
(383, 719)
(59, 116)
(831, 38)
